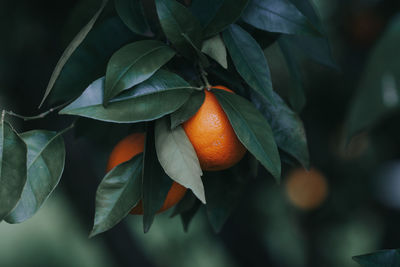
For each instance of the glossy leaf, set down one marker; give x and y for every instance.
(249, 60)
(160, 95)
(287, 127)
(180, 26)
(156, 182)
(223, 192)
(278, 16)
(46, 158)
(132, 14)
(383, 258)
(118, 192)
(13, 157)
(187, 110)
(178, 157)
(296, 96)
(133, 64)
(228, 12)
(378, 93)
(70, 50)
(90, 59)
(215, 48)
(252, 129)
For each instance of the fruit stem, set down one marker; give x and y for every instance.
(39, 116)
(204, 74)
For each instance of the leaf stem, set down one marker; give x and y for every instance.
(204, 74)
(39, 116)
(68, 128)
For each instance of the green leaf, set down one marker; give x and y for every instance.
(252, 130)
(119, 191)
(178, 157)
(223, 191)
(215, 48)
(187, 110)
(316, 48)
(185, 204)
(160, 95)
(205, 10)
(278, 16)
(287, 127)
(89, 60)
(297, 97)
(45, 165)
(383, 258)
(179, 25)
(133, 64)
(187, 216)
(70, 50)
(249, 60)
(132, 14)
(156, 182)
(229, 11)
(378, 93)
(13, 157)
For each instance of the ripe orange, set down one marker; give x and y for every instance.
(306, 190)
(129, 147)
(212, 135)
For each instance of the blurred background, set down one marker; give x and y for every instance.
(349, 204)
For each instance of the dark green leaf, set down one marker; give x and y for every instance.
(160, 95)
(215, 48)
(90, 59)
(156, 182)
(185, 204)
(249, 60)
(252, 130)
(187, 110)
(179, 25)
(133, 64)
(379, 91)
(307, 9)
(13, 157)
(278, 16)
(118, 192)
(70, 50)
(287, 127)
(205, 10)
(132, 14)
(316, 48)
(229, 11)
(297, 97)
(223, 191)
(383, 258)
(178, 157)
(188, 215)
(46, 158)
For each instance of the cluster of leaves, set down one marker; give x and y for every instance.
(149, 62)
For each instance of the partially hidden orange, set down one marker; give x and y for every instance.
(129, 147)
(212, 136)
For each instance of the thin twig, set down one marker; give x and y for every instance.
(40, 116)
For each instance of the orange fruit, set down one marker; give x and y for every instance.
(306, 190)
(212, 136)
(129, 147)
